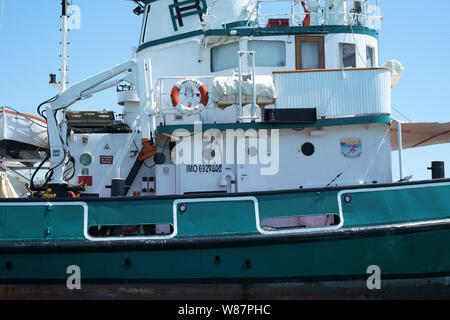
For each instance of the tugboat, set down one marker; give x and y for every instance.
(252, 159)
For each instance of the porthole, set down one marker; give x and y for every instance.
(308, 149)
(86, 159)
(252, 151)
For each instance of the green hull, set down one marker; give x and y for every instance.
(217, 249)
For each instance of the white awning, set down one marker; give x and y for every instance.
(420, 134)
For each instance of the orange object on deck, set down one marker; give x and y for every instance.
(307, 20)
(277, 23)
(74, 194)
(148, 150)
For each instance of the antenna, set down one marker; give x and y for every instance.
(64, 45)
(64, 50)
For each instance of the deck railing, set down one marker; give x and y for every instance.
(335, 92)
(367, 15)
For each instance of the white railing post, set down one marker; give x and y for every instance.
(239, 111)
(292, 13)
(161, 92)
(400, 149)
(253, 109)
(239, 108)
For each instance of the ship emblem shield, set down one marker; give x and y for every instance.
(351, 148)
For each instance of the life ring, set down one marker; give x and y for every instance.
(189, 84)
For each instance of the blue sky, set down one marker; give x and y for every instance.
(412, 32)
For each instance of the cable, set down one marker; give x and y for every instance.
(402, 114)
(357, 49)
(37, 170)
(40, 106)
(164, 149)
(49, 173)
(71, 170)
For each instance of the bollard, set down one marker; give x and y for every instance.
(118, 188)
(437, 170)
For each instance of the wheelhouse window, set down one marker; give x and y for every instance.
(310, 53)
(370, 61)
(268, 53)
(224, 57)
(348, 55)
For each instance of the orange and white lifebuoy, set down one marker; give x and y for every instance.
(190, 84)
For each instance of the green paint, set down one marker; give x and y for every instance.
(211, 218)
(263, 32)
(239, 24)
(220, 217)
(395, 254)
(265, 125)
(401, 253)
(173, 8)
(30, 223)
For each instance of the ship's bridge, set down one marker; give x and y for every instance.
(201, 39)
(312, 34)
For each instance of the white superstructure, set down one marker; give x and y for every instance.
(224, 98)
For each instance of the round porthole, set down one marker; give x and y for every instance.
(85, 159)
(252, 151)
(209, 154)
(308, 149)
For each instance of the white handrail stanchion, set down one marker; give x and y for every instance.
(239, 112)
(400, 149)
(239, 108)
(253, 110)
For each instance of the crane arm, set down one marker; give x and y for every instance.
(86, 87)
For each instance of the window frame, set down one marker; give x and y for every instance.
(220, 45)
(298, 50)
(269, 41)
(341, 54)
(372, 50)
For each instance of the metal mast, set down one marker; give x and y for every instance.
(62, 84)
(64, 45)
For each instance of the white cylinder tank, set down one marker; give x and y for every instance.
(337, 12)
(227, 11)
(129, 99)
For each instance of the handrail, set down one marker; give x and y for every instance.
(159, 86)
(334, 69)
(239, 115)
(355, 18)
(4, 109)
